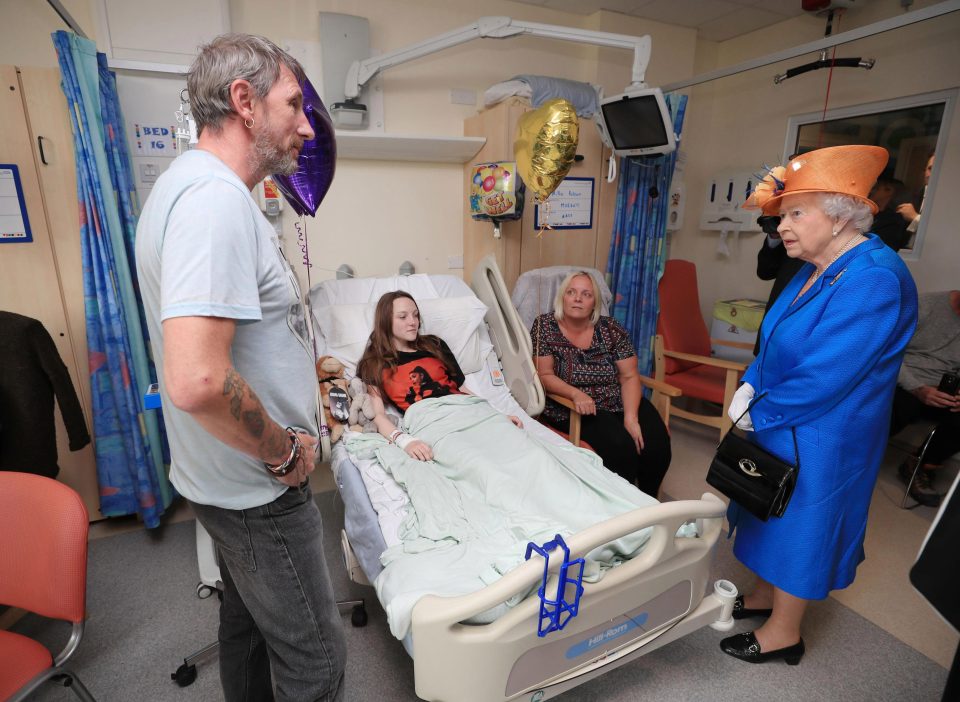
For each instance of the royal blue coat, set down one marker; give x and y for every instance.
(827, 368)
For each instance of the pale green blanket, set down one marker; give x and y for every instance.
(490, 490)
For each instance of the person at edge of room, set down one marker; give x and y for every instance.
(932, 354)
(910, 213)
(395, 353)
(220, 299)
(820, 391)
(589, 359)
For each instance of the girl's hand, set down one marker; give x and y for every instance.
(516, 421)
(633, 429)
(420, 450)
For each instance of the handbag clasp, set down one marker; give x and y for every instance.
(749, 467)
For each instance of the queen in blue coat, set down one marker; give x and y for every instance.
(830, 351)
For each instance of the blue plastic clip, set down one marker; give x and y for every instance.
(556, 613)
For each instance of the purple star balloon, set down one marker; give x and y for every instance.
(306, 188)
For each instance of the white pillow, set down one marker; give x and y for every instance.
(346, 329)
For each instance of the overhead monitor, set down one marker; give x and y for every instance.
(636, 123)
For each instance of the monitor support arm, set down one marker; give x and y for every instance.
(498, 28)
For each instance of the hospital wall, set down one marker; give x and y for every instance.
(740, 122)
(380, 213)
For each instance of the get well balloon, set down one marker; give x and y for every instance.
(306, 188)
(546, 145)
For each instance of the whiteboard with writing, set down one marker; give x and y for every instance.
(569, 207)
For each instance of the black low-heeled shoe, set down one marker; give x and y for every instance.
(741, 612)
(746, 647)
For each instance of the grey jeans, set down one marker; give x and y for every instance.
(278, 613)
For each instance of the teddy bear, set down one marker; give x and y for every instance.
(361, 408)
(330, 375)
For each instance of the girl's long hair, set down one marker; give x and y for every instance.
(380, 355)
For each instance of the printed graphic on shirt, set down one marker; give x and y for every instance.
(417, 380)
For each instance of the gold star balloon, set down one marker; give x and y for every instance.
(546, 145)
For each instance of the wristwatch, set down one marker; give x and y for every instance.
(288, 465)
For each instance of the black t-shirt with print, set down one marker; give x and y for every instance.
(419, 375)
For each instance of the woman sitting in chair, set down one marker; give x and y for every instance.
(589, 359)
(403, 367)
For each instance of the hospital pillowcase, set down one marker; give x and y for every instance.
(345, 329)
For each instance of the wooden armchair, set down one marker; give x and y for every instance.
(682, 348)
(662, 395)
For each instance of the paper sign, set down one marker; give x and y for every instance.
(155, 140)
(14, 222)
(569, 207)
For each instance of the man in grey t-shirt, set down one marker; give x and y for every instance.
(933, 352)
(237, 376)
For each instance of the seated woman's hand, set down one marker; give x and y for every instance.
(419, 450)
(516, 421)
(632, 425)
(583, 403)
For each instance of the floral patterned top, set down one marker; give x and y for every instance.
(592, 370)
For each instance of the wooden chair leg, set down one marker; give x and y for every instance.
(574, 428)
(729, 388)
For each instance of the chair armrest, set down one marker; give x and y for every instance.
(659, 386)
(707, 360)
(560, 400)
(733, 344)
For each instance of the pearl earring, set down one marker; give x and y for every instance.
(836, 232)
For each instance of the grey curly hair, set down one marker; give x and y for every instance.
(225, 59)
(839, 206)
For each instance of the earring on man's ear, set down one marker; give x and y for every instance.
(248, 123)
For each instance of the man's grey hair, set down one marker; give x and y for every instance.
(841, 206)
(562, 290)
(225, 59)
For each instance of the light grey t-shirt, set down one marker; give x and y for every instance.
(935, 347)
(204, 249)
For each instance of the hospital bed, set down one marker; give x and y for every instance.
(471, 647)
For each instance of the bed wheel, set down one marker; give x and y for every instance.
(185, 675)
(358, 617)
(204, 591)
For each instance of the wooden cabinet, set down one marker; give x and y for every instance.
(521, 246)
(43, 278)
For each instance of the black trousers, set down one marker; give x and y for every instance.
(604, 431)
(908, 409)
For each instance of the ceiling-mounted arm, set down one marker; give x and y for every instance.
(498, 28)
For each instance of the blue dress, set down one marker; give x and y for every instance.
(827, 367)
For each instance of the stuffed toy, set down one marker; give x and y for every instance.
(330, 377)
(361, 408)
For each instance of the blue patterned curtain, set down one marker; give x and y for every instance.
(129, 444)
(637, 252)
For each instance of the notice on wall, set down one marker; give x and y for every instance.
(14, 223)
(155, 140)
(569, 207)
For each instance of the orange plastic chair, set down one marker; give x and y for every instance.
(682, 348)
(43, 569)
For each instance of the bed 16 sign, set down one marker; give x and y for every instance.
(569, 207)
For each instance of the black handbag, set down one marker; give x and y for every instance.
(757, 480)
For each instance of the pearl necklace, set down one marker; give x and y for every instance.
(817, 272)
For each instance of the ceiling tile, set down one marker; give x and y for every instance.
(744, 20)
(685, 13)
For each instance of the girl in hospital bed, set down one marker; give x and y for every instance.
(402, 367)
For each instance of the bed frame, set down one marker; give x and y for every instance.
(637, 607)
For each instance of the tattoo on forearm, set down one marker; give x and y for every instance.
(273, 441)
(233, 388)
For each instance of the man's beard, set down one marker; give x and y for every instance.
(270, 158)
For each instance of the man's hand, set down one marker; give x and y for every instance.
(583, 403)
(633, 429)
(930, 396)
(305, 462)
(908, 211)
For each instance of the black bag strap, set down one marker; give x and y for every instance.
(793, 430)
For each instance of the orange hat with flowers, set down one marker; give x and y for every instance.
(848, 170)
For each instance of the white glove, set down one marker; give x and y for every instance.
(738, 405)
